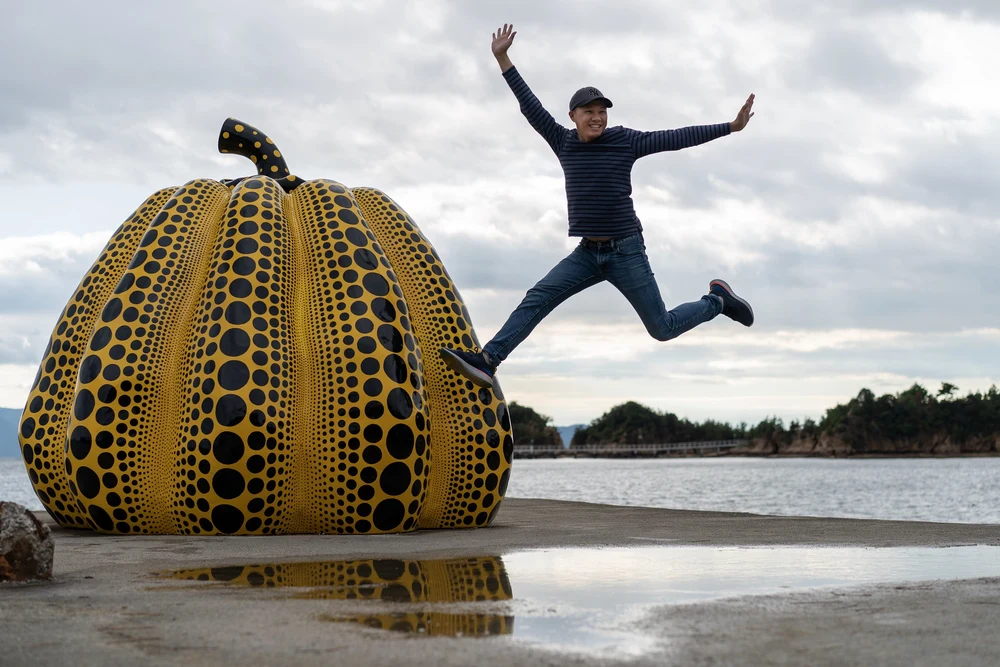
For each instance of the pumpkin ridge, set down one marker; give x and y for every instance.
(471, 441)
(368, 403)
(303, 518)
(123, 480)
(48, 447)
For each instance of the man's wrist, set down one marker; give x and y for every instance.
(504, 62)
(733, 127)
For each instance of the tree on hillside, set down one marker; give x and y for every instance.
(531, 428)
(632, 423)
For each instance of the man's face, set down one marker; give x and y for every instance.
(590, 119)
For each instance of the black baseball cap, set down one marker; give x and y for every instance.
(587, 95)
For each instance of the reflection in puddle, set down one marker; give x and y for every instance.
(433, 623)
(587, 599)
(460, 580)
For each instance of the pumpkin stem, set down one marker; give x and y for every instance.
(246, 140)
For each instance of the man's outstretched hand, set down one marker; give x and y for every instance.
(743, 117)
(502, 39)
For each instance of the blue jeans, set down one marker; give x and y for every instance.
(624, 264)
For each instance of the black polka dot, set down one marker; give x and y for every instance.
(399, 441)
(80, 442)
(395, 368)
(227, 519)
(246, 246)
(395, 478)
(112, 310)
(373, 433)
(105, 415)
(372, 454)
(503, 482)
(399, 403)
(374, 409)
(233, 375)
(84, 404)
(390, 338)
(356, 236)
(228, 448)
(373, 387)
(230, 410)
(228, 483)
(364, 325)
(125, 283)
(241, 288)
(111, 373)
(90, 369)
(234, 342)
(375, 283)
(346, 214)
(493, 460)
(27, 427)
(88, 482)
(383, 310)
(255, 464)
(101, 518)
(238, 313)
(503, 416)
(244, 266)
(367, 260)
(100, 340)
(388, 514)
(370, 366)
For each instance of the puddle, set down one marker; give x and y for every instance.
(424, 585)
(583, 599)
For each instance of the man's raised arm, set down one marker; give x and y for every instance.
(540, 119)
(645, 143)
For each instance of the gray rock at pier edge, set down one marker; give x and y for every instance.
(26, 546)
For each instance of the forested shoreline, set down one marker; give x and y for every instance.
(913, 422)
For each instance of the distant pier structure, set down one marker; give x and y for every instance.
(643, 450)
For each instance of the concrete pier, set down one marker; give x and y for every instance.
(106, 607)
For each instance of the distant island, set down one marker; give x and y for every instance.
(913, 422)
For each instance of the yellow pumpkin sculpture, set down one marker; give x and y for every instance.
(260, 356)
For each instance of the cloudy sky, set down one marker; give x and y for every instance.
(859, 212)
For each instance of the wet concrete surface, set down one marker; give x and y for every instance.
(541, 586)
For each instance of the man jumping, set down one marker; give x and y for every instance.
(597, 162)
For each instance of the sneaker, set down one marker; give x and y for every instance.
(733, 306)
(470, 365)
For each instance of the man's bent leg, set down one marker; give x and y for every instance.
(628, 270)
(573, 274)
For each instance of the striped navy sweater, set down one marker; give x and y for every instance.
(599, 172)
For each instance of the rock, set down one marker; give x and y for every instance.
(26, 545)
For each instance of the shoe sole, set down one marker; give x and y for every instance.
(729, 290)
(455, 363)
